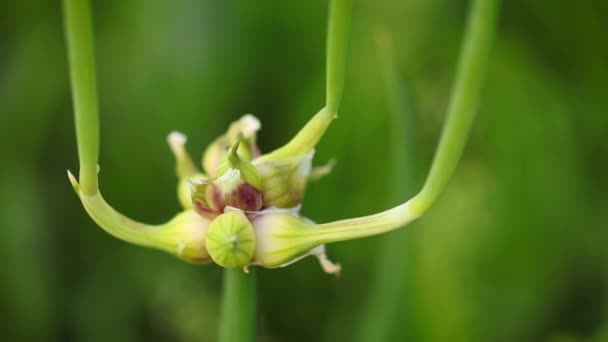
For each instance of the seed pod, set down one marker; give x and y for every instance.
(231, 240)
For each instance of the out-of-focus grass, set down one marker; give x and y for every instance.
(514, 251)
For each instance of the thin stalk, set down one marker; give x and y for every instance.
(360, 227)
(461, 110)
(337, 46)
(181, 235)
(379, 318)
(81, 57)
(237, 320)
(479, 33)
(84, 90)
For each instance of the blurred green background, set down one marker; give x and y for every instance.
(516, 249)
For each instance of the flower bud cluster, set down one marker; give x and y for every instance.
(250, 204)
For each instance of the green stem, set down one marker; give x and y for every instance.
(84, 93)
(237, 320)
(82, 74)
(337, 46)
(461, 110)
(363, 226)
(182, 236)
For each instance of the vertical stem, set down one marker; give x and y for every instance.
(337, 46)
(238, 315)
(461, 110)
(82, 75)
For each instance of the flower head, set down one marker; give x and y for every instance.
(247, 198)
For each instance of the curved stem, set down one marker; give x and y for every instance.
(479, 33)
(461, 110)
(184, 234)
(113, 222)
(237, 320)
(84, 92)
(84, 89)
(337, 45)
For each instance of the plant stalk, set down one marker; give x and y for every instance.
(337, 47)
(81, 56)
(180, 236)
(469, 77)
(238, 315)
(461, 110)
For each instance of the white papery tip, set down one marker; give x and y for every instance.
(176, 141)
(249, 125)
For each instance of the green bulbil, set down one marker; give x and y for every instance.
(231, 240)
(248, 172)
(243, 129)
